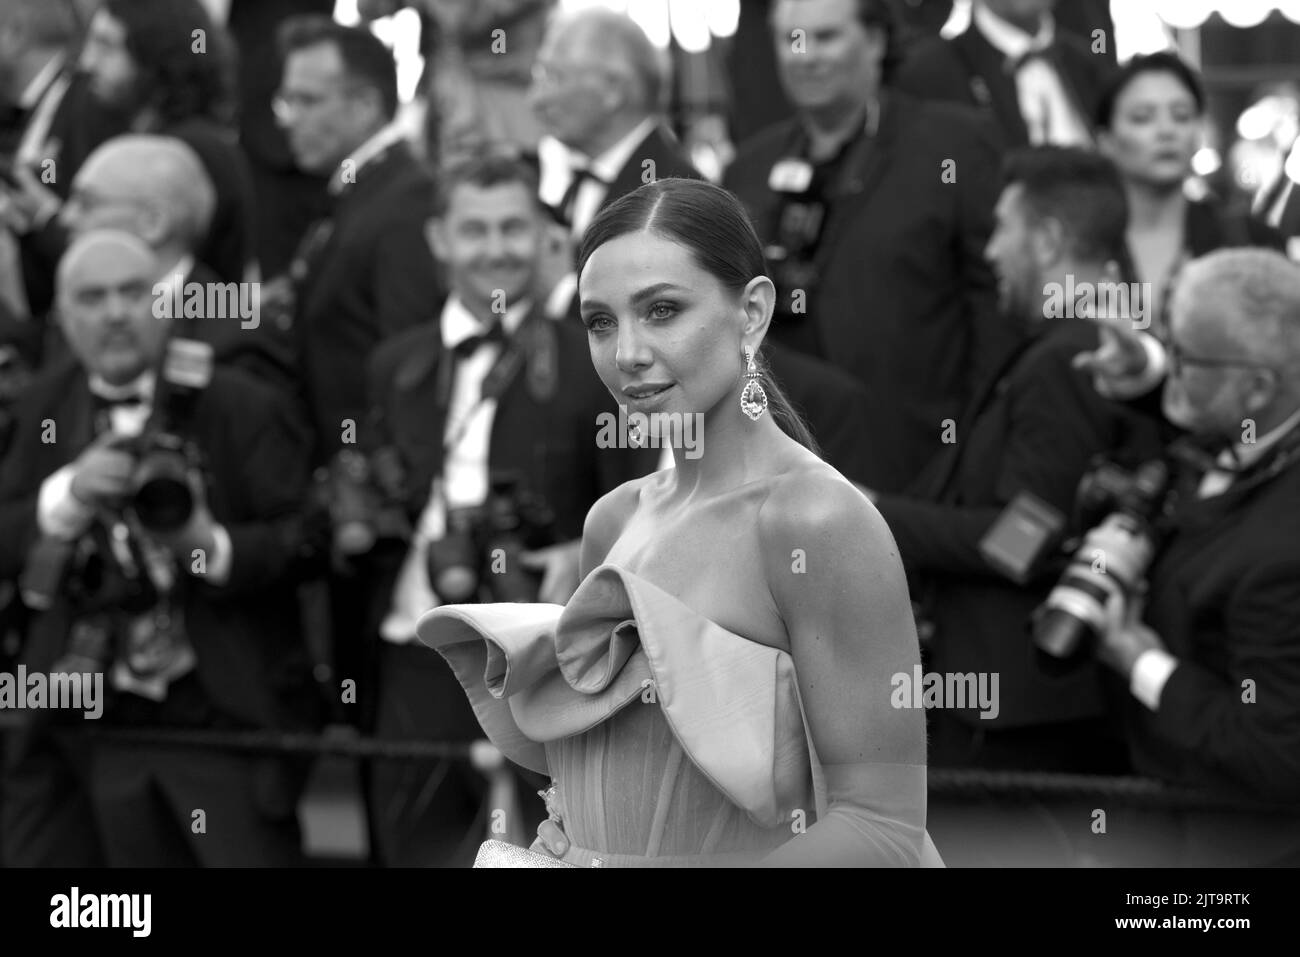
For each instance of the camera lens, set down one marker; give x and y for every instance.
(162, 500)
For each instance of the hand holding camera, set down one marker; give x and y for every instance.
(103, 474)
(1125, 638)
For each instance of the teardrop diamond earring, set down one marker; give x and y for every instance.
(753, 400)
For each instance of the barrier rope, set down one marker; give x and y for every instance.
(951, 783)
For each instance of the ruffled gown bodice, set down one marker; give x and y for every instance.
(671, 740)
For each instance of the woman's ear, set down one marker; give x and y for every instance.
(758, 302)
(1106, 144)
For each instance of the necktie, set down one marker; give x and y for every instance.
(581, 174)
(104, 403)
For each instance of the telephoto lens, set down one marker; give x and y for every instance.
(162, 498)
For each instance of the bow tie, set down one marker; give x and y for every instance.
(469, 345)
(114, 402)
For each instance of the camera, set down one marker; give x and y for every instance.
(1120, 506)
(162, 497)
(482, 545)
(365, 500)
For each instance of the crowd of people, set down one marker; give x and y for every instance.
(277, 377)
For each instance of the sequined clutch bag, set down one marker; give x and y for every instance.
(501, 854)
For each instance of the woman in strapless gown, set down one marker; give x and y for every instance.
(717, 690)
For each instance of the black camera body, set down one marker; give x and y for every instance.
(365, 498)
(1120, 507)
(482, 545)
(167, 459)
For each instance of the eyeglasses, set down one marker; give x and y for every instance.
(1179, 359)
(549, 74)
(286, 104)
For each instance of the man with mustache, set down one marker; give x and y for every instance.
(449, 405)
(193, 623)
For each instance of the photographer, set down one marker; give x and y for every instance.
(490, 388)
(1211, 652)
(149, 508)
(1023, 443)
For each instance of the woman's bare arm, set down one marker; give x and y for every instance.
(836, 578)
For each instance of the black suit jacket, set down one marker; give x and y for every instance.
(551, 443)
(246, 634)
(1034, 428)
(666, 158)
(905, 301)
(969, 70)
(1225, 599)
(258, 346)
(374, 277)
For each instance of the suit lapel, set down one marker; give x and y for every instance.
(993, 87)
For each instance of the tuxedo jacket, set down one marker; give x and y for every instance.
(905, 301)
(246, 634)
(265, 352)
(374, 276)
(550, 442)
(1034, 428)
(969, 70)
(1225, 600)
(664, 151)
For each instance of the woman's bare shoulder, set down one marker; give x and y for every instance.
(816, 503)
(609, 516)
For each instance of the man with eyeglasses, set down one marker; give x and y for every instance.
(1212, 656)
(365, 272)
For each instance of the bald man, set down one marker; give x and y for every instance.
(218, 644)
(1212, 660)
(157, 188)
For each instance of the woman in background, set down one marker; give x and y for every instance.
(1149, 125)
(718, 689)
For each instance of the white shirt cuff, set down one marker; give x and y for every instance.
(1150, 672)
(1140, 383)
(219, 562)
(58, 512)
(561, 297)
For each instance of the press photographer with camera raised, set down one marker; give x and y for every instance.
(149, 507)
(482, 439)
(1211, 649)
(1021, 447)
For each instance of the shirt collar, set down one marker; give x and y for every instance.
(142, 385)
(366, 153)
(611, 162)
(1009, 39)
(1247, 453)
(41, 82)
(458, 323)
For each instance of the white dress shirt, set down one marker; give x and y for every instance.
(1048, 113)
(464, 479)
(558, 163)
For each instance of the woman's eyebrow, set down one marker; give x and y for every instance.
(651, 291)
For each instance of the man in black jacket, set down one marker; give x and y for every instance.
(366, 272)
(1212, 656)
(875, 209)
(1031, 429)
(204, 632)
(1035, 82)
(491, 386)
